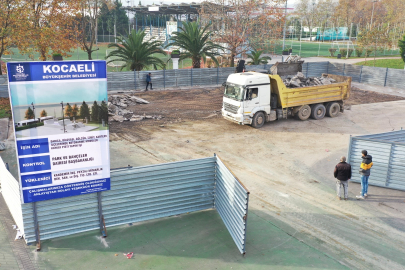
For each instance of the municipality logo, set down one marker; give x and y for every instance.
(19, 73)
(19, 69)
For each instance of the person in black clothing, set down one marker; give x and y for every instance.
(149, 81)
(343, 173)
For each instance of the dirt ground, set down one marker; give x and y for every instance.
(176, 106)
(287, 165)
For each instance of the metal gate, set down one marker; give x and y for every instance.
(388, 152)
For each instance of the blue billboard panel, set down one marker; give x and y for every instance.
(62, 151)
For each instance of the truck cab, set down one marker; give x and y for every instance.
(245, 96)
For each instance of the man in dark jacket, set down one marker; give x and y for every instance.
(149, 81)
(364, 171)
(343, 173)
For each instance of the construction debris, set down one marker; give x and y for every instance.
(117, 108)
(299, 80)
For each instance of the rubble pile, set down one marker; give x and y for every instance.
(300, 80)
(117, 108)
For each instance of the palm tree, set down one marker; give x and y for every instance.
(136, 53)
(194, 40)
(256, 59)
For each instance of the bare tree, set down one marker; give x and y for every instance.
(89, 11)
(241, 25)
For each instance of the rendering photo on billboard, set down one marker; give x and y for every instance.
(61, 127)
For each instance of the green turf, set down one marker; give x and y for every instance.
(386, 63)
(311, 49)
(190, 241)
(78, 54)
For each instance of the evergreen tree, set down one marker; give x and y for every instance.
(43, 113)
(95, 110)
(104, 111)
(401, 45)
(108, 18)
(84, 111)
(29, 113)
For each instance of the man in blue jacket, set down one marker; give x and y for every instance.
(364, 171)
(148, 81)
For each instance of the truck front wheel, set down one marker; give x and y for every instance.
(332, 109)
(304, 113)
(258, 120)
(318, 111)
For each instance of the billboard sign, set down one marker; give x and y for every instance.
(170, 28)
(61, 128)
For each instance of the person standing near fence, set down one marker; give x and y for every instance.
(364, 171)
(343, 173)
(149, 81)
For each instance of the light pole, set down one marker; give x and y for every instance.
(285, 25)
(129, 22)
(33, 109)
(63, 118)
(372, 14)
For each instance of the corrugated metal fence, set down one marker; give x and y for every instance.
(215, 76)
(388, 152)
(231, 202)
(11, 194)
(145, 193)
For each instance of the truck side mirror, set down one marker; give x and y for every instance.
(224, 84)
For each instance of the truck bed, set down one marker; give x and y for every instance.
(294, 97)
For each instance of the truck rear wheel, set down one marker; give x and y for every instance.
(258, 120)
(332, 109)
(304, 113)
(318, 111)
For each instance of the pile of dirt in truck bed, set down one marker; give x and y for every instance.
(174, 106)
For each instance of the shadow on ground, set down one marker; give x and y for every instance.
(191, 241)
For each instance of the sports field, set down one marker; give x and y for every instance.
(304, 49)
(311, 49)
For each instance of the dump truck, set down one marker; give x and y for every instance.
(253, 98)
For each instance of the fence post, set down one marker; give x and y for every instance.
(134, 80)
(103, 230)
(386, 75)
(327, 68)
(361, 72)
(217, 75)
(36, 226)
(344, 66)
(307, 70)
(191, 76)
(164, 78)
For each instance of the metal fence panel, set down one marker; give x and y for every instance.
(159, 191)
(388, 152)
(61, 217)
(353, 71)
(315, 69)
(137, 194)
(395, 78)
(11, 194)
(120, 81)
(373, 75)
(336, 68)
(3, 86)
(231, 202)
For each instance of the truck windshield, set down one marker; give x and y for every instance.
(234, 91)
